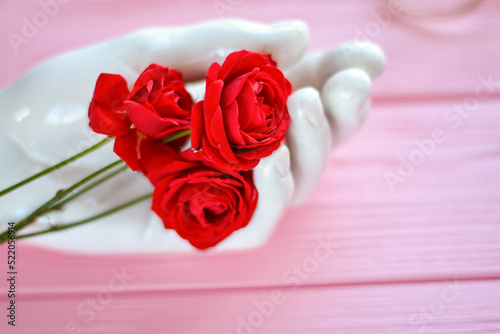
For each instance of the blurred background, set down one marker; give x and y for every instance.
(402, 234)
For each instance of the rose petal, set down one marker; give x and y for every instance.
(232, 90)
(231, 124)
(148, 122)
(126, 148)
(229, 63)
(197, 126)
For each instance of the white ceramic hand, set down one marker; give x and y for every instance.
(46, 110)
(343, 76)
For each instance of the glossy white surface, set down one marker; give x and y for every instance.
(44, 120)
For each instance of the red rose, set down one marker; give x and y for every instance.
(244, 116)
(202, 203)
(159, 104)
(107, 112)
(143, 153)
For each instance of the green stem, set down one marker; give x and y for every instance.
(84, 221)
(177, 136)
(59, 205)
(53, 168)
(61, 194)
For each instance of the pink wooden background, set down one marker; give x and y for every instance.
(423, 257)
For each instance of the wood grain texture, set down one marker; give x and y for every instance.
(436, 307)
(368, 257)
(442, 221)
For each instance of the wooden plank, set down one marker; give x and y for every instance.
(436, 307)
(425, 57)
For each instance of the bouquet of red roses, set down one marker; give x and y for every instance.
(199, 157)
